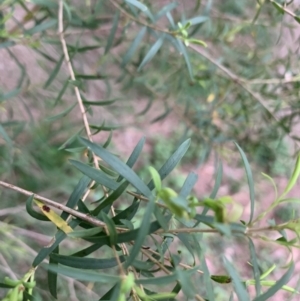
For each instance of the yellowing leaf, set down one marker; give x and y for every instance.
(54, 217)
(210, 97)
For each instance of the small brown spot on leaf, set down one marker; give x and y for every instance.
(46, 208)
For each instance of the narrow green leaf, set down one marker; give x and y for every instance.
(113, 234)
(76, 195)
(268, 272)
(152, 52)
(148, 106)
(155, 177)
(54, 72)
(85, 48)
(138, 4)
(107, 142)
(166, 9)
(45, 55)
(90, 76)
(160, 218)
(250, 181)
(278, 7)
(269, 283)
(29, 297)
(75, 149)
(238, 285)
(70, 140)
(172, 162)
(85, 233)
(3, 285)
(95, 174)
(130, 52)
(32, 212)
(279, 284)
(186, 284)
(41, 27)
(126, 236)
(62, 114)
(89, 276)
(297, 18)
(196, 20)
(141, 7)
(184, 238)
(218, 181)
(52, 276)
(86, 263)
(111, 198)
(128, 224)
(110, 295)
(142, 232)
(256, 272)
(108, 171)
(163, 280)
(82, 208)
(182, 50)
(120, 167)
(61, 93)
(134, 155)
(104, 128)
(188, 185)
(128, 213)
(89, 250)
(59, 237)
(161, 116)
(68, 11)
(49, 4)
(9, 94)
(171, 20)
(101, 102)
(111, 36)
(293, 178)
(207, 279)
(273, 183)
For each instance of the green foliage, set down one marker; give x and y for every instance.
(208, 66)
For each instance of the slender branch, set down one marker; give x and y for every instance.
(56, 205)
(284, 8)
(154, 260)
(163, 268)
(76, 89)
(169, 259)
(72, 76)
(274, 81)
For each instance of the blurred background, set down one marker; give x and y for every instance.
(243, 87)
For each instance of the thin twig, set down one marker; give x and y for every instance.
(56, 205)
(186, 266)
(159, 264)
(72, 76)
(163, 268)
(76, 89)
(274, 81)
(284, 9)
